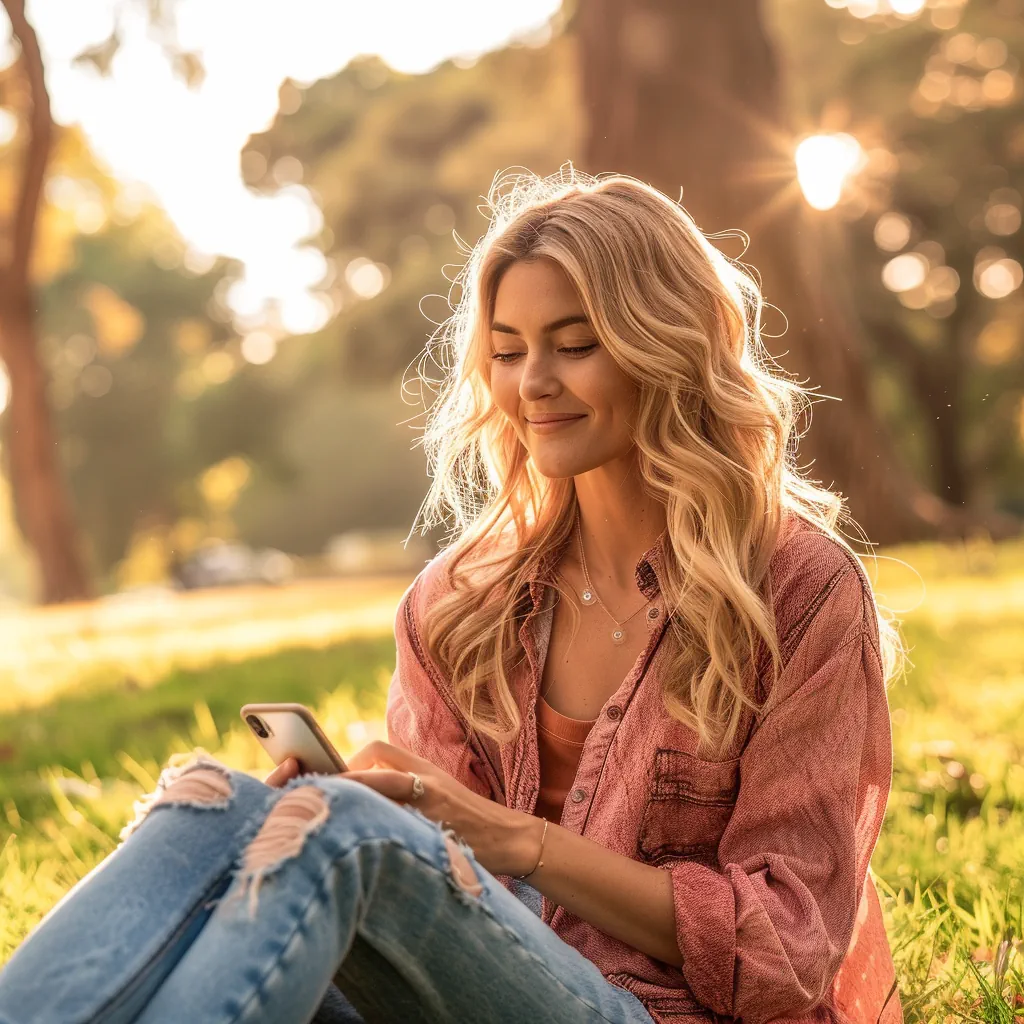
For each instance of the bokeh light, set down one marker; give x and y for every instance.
(892, 231)
(823, 165)
(907, 7)
(8, 126)
(304, 313)
(365, 278)
(258, 348)
(997, 278)
(905, 272)
(96, 380)
(218, 367)
(863, 8)
(998, 86)
(1002, 218)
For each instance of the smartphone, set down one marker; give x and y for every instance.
(290, 730)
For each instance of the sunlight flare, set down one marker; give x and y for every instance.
(824, 163)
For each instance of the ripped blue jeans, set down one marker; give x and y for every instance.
(323, 901)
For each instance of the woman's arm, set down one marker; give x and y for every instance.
(630, 901)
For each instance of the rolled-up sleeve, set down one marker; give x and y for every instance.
(421, 716)
(763, 935)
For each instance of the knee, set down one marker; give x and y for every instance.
(299, 812)
(200, 782)
(304, 806)
(303, 809)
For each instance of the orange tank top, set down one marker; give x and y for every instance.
(560, 744)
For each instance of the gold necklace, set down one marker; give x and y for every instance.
(589, 594)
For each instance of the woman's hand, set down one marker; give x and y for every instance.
(287, 769)
(503, 841)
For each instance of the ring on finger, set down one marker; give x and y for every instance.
(418, 789)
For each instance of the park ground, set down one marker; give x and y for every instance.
(95, 698)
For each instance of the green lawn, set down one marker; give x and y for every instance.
(948, 864)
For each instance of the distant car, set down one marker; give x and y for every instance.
(371, 551)
(221, 565)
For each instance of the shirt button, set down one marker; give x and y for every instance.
(615, 712)
(653, 613)
(577, 795)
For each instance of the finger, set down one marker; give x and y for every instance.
(387, 755)
(395, 785)
(287, 769)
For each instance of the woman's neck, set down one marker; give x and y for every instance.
(619, 521)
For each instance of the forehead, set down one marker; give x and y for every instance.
(533, 290)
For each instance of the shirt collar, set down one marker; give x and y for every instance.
(647, 572)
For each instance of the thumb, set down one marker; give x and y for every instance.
(287, 769)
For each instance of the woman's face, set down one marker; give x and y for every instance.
(545, 359)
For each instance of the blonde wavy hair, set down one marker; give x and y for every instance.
(715, 436)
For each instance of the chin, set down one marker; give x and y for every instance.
(560, 469)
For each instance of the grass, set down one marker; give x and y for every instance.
(74, 755)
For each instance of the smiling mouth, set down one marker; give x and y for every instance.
(561, 419)
(550, 426)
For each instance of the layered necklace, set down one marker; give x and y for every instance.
(589, 596)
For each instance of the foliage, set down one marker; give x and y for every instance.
(948, 864)
(138, 427)
(935, 100)
(148, 387)
(397, 163)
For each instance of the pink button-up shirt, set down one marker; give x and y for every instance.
(777, 918)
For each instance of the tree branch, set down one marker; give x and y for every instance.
(39, 143)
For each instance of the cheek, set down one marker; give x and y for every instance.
(505, 392)
(609, 393)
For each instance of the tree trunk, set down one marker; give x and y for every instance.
(687, 97)
(41, 503)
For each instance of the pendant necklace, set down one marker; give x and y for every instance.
(589, 595)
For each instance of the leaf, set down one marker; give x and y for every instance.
(102, 55)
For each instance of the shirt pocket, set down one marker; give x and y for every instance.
(690, 804)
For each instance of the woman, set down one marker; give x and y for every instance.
(639, 738)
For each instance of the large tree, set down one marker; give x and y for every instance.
(42, 507)
(689, 98)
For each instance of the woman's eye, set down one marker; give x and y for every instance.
(574, 352)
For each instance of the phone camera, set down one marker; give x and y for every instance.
(257, 726)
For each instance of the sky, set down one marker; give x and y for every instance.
(183, 145)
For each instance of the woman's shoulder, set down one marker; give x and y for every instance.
(430, 583)
(809, 569)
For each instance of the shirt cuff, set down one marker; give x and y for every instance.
(705, 909)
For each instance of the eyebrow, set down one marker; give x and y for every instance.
(555, 325)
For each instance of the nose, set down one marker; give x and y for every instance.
(539, 379)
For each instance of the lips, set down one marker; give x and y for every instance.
(555, 418)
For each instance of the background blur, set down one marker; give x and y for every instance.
(228, 229)
(230, 243)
